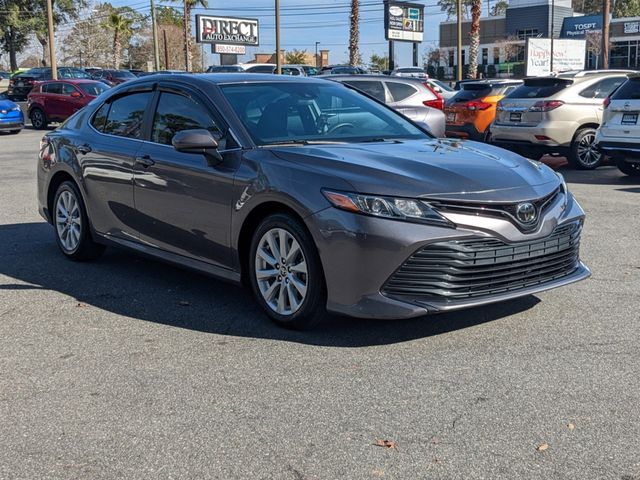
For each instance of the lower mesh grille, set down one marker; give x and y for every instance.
(460, 269)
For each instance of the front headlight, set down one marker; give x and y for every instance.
(410, 210)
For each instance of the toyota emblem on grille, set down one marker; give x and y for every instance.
(526, 213)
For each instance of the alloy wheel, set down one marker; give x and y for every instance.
(281, 271)
(68, 221)
(587, 153)
(37, 119)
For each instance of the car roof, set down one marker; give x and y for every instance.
(377, 77)
(490, 83)
(223, 78)
(69, 80)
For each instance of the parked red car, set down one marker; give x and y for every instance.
(57, 100)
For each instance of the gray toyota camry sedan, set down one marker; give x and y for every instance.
(315, 196)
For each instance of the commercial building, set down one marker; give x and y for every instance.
(503, 38)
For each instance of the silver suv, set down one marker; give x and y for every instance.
(555, 115)
(619, 134)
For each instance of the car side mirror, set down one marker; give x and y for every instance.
(76, 94)
(198, 141)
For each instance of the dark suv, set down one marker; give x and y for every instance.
(20, 85)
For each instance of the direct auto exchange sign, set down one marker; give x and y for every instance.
(227, 30)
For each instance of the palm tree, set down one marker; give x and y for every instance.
(188, 6)
(474, 34)
(121, 26)
(354, 53)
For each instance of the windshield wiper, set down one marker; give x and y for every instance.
(303, 142)
(380, 140)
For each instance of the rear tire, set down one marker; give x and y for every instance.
(38, 119)
(631, 169)
(71, 225)
(584, 154)
(285, 272)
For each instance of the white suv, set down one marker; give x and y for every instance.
(619, 134)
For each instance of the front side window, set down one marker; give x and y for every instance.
(67, 89)
(176, 113)
(279, 112)
(126, 115)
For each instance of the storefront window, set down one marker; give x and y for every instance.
(624, 54)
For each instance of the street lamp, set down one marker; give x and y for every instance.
(317, 59)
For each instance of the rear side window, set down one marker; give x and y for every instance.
(603, 88)
(52, 88)
(375, 89)
(538, 89)
(176, 113)
(100, 118)
(630, 90)
(400, 91)
(126, 115)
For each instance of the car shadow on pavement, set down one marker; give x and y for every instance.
(144, 289)
(607, 175)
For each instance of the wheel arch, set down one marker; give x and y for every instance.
(593, 125)
(251, 223)
(58, 179)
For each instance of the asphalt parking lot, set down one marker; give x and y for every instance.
(129, 368)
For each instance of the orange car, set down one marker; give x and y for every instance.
(469, 112)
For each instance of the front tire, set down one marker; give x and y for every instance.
(38, 119)
(584, 154)
(71, 225)
(631, 169)
(285, 272)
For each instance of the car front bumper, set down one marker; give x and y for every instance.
(12, 123)
(360, 254)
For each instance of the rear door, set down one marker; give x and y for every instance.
(516, 108)
(53, 104)
(183, 200)
(373, 88)
(622, 116)
(107, 154)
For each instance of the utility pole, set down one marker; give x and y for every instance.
(317, 59)
(605, 33)
(553, 14)
(459, 10)
(154, 30)
(166, 50)
(278, 65)
(52, 40)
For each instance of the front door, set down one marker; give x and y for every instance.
(183, 200)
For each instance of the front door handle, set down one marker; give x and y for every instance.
(145, 161)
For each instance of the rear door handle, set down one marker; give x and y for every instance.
(145, 161)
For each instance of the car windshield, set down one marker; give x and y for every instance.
(284, 112)
(93, 89)
(72, 73)
(122, 74)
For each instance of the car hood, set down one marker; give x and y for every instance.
(7, 105)
(437, 168)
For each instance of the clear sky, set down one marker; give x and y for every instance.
(304, 22)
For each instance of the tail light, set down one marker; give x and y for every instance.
(437, 102)
(546, 105)
(476, 105)
(607, 102)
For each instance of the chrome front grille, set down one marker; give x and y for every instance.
(479, 267)
(498, 210)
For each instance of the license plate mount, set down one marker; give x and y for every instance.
(451, 117)
(515, 117)
(629, 119)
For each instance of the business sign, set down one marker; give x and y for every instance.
(403, 21)
(226, 30)
(577, 27)
(631, 27)
(231, 49)
(567, 55)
